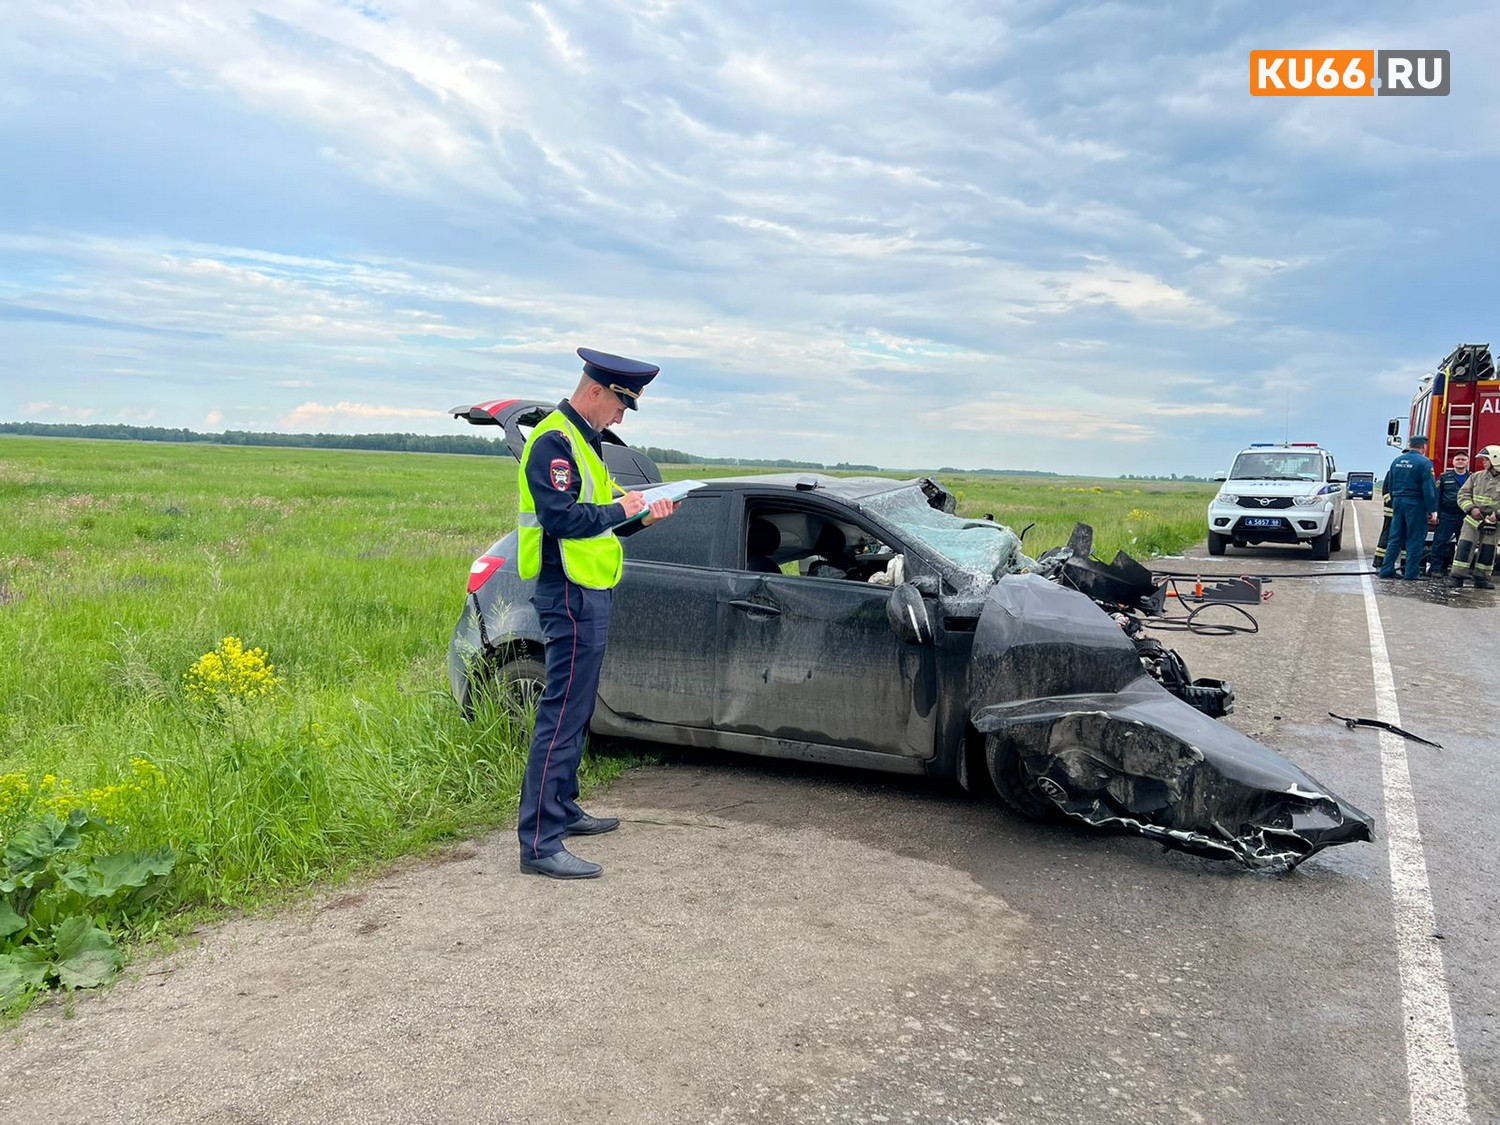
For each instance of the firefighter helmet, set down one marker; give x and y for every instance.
(1490, 453)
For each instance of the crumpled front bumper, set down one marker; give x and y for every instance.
(1061, 691)
(1142, 760)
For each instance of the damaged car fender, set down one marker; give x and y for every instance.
(1075, 727)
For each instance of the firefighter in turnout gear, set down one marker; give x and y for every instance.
(1385, 523)
(1479, 498)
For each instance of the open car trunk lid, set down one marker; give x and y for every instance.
(629, 467)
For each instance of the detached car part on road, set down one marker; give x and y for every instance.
(859, 621)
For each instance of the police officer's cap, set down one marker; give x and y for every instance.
(626, 377)
(1418, 441)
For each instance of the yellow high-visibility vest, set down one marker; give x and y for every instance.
(595, 562)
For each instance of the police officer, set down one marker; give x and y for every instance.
(1480, 500)
(1413, 499)
(1450, 515)
(567, 531)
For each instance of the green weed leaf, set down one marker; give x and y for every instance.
(129, 869)
(84, 955)
(76, 878)
(35, 843)
(20, 971)
(10, 921)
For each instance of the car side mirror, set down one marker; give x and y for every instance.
(1393, 432)
(1221, 476)
(1339, 478)
(908, 616)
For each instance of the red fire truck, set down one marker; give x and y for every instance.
(1457, 406)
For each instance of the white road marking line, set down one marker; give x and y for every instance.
(1434, 1072)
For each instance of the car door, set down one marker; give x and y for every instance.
(659, 663)
(815, 660)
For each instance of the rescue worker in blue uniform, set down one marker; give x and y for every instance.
(1450, 516)
(1413, 499)
(567, 531)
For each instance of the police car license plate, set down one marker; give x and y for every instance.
(1263, 521)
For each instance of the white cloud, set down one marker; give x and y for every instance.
(58, 410)
(213, 419)
(830, 225)
(318, 414)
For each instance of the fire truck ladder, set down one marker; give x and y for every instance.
(1459, 433)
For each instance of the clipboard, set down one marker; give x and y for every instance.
(672, 490)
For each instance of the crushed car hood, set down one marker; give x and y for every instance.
(1104, 743)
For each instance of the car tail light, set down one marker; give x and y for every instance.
(484, 566)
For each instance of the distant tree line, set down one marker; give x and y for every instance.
(408, 443)
(447, 443)
(1001, 472)
(1173, 476)
(678, 457)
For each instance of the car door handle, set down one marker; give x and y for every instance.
(756, 607)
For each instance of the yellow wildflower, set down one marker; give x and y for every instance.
(15, 788)
(231, 671)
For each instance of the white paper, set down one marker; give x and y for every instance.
(672, 490)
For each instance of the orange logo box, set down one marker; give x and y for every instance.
(1312, 74)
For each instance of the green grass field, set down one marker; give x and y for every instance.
(122, 564)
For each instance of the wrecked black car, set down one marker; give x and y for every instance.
(860, 621)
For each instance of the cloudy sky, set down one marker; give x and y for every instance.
(1008, 233)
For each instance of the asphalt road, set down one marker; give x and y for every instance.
(776, 943)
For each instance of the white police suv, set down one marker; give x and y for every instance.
(1288, 493)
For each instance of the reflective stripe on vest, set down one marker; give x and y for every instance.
(595, 562)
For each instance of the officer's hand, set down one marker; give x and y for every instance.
(632, 503)
(660, 511)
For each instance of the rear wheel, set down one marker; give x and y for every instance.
(515, 687)
(1320, 545)
(1217, 543)
(1015, 786)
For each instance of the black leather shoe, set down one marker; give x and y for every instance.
(561, 865)
(1455, 581)
(1483, 584)
(587, 825)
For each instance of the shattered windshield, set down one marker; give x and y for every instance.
(1280, 465)
(981, 547)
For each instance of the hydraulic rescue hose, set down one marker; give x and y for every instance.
(1190, 623)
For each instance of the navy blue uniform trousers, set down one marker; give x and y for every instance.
(575, 625)
(1444, 540)
(1409, 530)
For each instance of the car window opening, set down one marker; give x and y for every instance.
(785, 541)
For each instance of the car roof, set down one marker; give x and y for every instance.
(845, 488)
(1283, 446)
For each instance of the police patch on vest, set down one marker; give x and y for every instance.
(562, 474)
